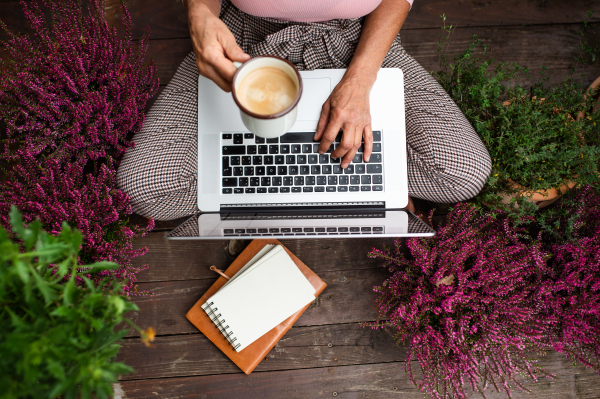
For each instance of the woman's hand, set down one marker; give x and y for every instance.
(347, 108)
(214, 45)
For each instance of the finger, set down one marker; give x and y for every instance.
(347, 141)
(350, 154)
(323, 119)
(331, 131)
(233, 51)
(368, 139)
(210, 73)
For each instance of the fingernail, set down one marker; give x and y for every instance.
(344, 165)
(367, 159)
(321, 152)
(315, 137)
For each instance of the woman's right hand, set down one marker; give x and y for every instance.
(214, 45)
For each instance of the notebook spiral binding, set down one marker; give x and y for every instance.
(227, 333)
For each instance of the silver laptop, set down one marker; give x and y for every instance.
(254, 187)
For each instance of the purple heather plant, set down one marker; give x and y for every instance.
(571, 290)
(462, 301)
(54, 193)
(73, 90)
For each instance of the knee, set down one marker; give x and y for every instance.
(133, 180)
(476, 167)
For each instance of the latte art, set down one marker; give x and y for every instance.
(267, 91)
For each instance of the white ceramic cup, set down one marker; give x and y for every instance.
(267, 126)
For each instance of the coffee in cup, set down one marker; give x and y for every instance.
(267, 90)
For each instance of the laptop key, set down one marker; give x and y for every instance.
(288, 181)
(260, 170)
(377, 228)
(375, 158)
(250, 190)
(273, 190)
(326, 169)
(276, 180)
(227, 231)
(257, 160)
(235, 161)
(342, 189)
(349, 170)
(360, 169)
(319, 189)
(358, 158)
(307, 189)
(226, 136)
(296, 137)
(365, 179)
(259, 140)
(262, 231)
(226, 162)
(268, 159)
(304, 170)
(284, 190)
(301, 159)
(315, 170)
(290, 159)
(354, 229)
(248, 171)
(296, 189)
(321, 180)
(273, 140)
(365, 229)
(246, 160)
(332, 180)
(331, 189)
(320, 229)
(286, 230)
(324, 158)
(377, 179)
(313, 159)
(337, 169)
(342, 229)
(315, 148)
(234, 150)
(365, 188)
(271, 170)
(279, 159)
(261, 190)
(238, 138)
(265, 181)
(282, 170)
(263, 149)
(238, 171)
(354, 179)
(293, 169)
(306, 148)
(238, 190)
(249, 136)
(255, 181)
(227, 190)
(376, 136)
(299, 181)
(243, 182)
(309, 229)
(273, 149)
(251, 231)
(377, 188)
(284, 149)
(376, 147)
(230, 181)
(354, 188)
(296, 149)
(343, 180)
(274, 230)
(310, 180)
(227, 171)
(331, 229)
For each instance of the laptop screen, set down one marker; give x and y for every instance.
(302, 224)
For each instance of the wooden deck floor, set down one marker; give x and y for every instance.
(327, 353)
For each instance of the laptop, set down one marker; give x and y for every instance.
(253, 187)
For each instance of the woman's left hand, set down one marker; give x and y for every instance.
(347, 108)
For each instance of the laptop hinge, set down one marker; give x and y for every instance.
(297, 206)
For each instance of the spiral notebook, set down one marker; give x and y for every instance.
(243, 310)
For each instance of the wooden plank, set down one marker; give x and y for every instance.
(382, 380)
(552, 46)
(167, 18)
(301, 347)
(190, 260)
(348, 298)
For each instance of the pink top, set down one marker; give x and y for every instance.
(308, 10)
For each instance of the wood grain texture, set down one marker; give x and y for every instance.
(552, 46)
(190, 260)
(167, 18)
(381, 380)
(348, 298)
(301, 347)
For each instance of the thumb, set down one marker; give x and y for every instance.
(234, 52)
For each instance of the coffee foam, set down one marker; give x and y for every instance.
(266, 91)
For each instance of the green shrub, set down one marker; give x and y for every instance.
(56, 338)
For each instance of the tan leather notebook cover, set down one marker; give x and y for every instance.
(252, 355)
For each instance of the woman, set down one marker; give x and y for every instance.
(447, 162)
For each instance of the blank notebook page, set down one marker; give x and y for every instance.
(269, 291)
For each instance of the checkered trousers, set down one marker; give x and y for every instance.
(447, 162)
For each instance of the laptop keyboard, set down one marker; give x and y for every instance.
(291, 164)
(302, 231)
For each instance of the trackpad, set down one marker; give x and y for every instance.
(315, 92)
(210, 161)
